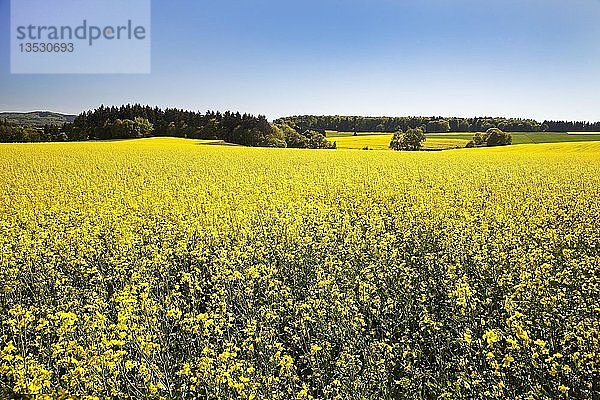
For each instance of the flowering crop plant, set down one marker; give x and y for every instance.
(165, 268)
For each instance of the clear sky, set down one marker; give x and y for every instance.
(514, 58)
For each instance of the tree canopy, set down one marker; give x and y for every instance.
(411, 140)
(427, 124)
(493, 137)
(131, 121)
(434, 124)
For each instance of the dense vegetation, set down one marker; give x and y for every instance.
(10, 133)
(433, 124)
(493, 137)
(137, 121)
(570, 126)
(161, 268)
(243, 129)
(410, 140)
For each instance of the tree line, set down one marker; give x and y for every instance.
(433, 124)
(11, 133)
(137, 121)
(571, 126)
(232, 127)
(307, 131)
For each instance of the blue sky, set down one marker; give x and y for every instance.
(527, 58)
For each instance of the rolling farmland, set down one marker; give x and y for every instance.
(380, 141)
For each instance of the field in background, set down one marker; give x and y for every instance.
(179, 269)
(534, 137)
(380, 141)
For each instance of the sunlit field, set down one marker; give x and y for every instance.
(382, 142)
(437, 141)
(532, 137)
(172, 268)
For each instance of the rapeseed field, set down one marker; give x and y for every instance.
(166, 268)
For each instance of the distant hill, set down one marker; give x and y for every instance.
(37, 118)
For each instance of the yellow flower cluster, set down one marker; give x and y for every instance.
(162, 268)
